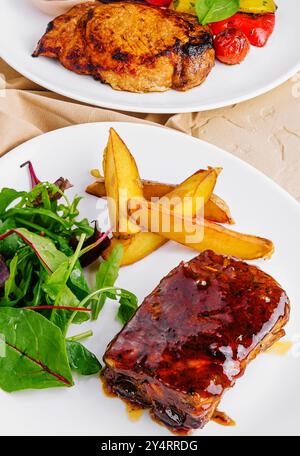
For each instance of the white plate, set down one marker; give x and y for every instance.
(21, 26)
(264, 400)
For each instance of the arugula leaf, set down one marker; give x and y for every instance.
(128, 301)
(215, 10)
(48, 214)
(128, 306)
(106, 276)
(81, 359)
(35, 355)
(7, 196)
(9, 245)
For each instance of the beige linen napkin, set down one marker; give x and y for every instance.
(264, 131)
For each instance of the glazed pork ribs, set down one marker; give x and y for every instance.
(193, 336)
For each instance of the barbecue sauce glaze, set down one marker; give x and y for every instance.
(192, 338)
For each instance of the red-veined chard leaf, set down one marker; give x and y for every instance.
(35, 352)
(44, 248)
(4, 272)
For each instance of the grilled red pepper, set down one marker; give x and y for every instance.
(257, 27)
(159, 2)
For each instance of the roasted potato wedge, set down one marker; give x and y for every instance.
(122, 183)
(199, 185)
(190, 196)
(202, 235)
(216, 209)
(137, 247)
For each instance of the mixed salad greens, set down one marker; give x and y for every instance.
(44, 247)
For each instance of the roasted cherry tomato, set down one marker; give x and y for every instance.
(231, 46)
(257, 27)
(159, 2)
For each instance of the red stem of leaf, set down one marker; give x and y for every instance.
(8, 233)
(34, 179)
(42, 365)
(80, 309)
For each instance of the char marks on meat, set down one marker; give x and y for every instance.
(193, 336)
(131, 46)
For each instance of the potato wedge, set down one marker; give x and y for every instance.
(122, 183)
(137, 247)
(190, 197)
(202, 235)
(216, 209)
(199, 185)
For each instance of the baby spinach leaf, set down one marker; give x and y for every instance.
(81, 359)
(35, 355)
(78, 283)
(106, 276)
(62, 318)
(216, 10)
(56, 287)
(10, 284)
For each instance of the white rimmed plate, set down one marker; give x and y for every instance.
(21, 26)
(265, 400)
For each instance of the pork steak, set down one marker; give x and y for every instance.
(131, 46)
(193, 336)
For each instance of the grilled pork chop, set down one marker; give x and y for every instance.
(193, 336)
(131, 46)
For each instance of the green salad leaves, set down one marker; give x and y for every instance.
(35, 352)
(44, 247)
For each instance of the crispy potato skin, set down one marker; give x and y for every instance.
(131, 46)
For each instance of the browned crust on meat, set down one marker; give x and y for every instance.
(131, 46)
